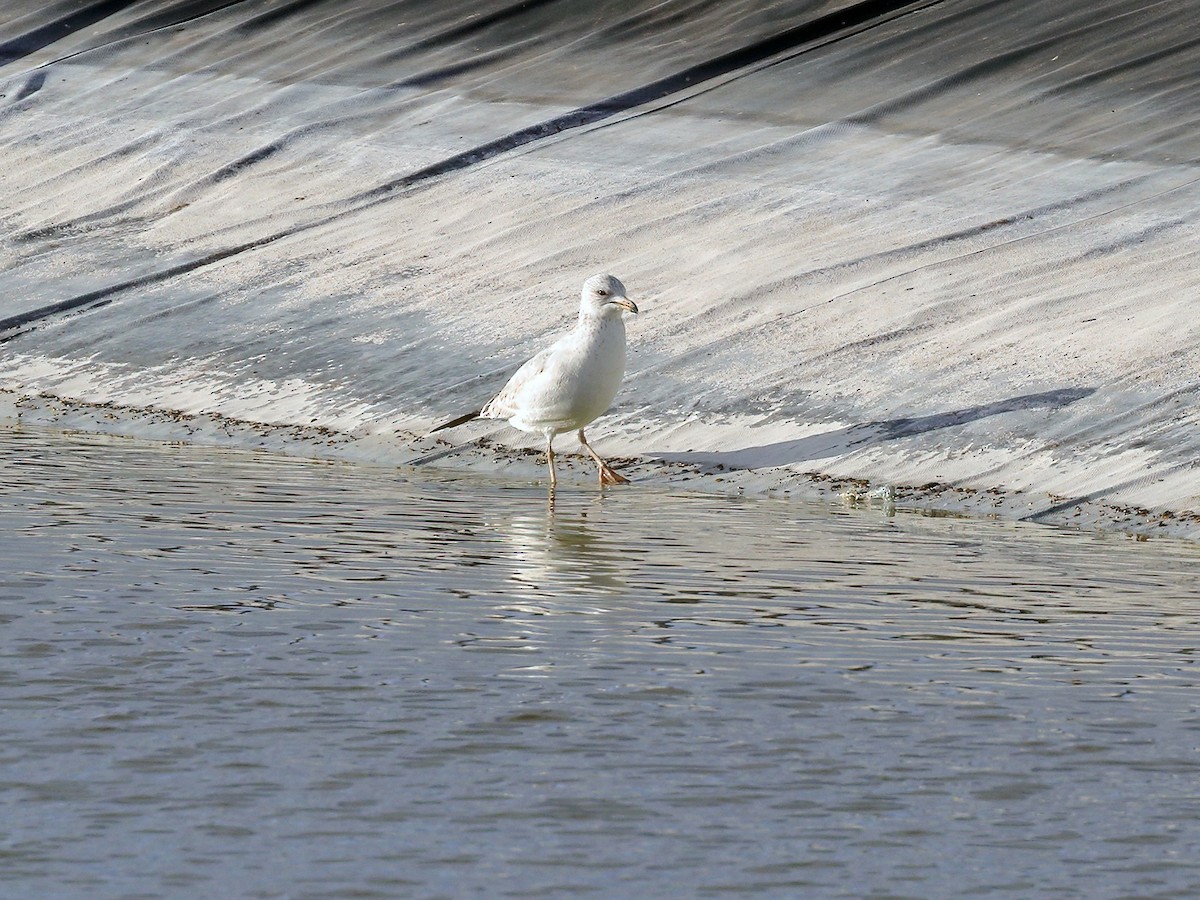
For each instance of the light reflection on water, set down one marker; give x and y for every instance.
(234, 675)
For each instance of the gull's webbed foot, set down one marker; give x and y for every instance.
(611, 476)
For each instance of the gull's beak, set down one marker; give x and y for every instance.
(626, 304)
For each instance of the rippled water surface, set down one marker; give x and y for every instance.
(228, 674)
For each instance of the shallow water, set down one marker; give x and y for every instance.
(229, 674)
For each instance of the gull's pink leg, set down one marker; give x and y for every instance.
(607, 474)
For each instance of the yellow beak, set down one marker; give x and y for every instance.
(626, 304)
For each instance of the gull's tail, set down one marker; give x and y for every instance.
(461, 420)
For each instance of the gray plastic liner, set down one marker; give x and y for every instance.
(946, 247)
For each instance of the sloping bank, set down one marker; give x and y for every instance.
(947, 247)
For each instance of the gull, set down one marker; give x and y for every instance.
(572, 382)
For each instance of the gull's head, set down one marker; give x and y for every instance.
(604, 295)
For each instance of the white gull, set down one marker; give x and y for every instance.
(572, 382)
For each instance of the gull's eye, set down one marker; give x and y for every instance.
(602, 292)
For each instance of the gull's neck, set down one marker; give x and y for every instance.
(588, 319)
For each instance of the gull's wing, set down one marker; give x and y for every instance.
(461, 420)
(504, 404)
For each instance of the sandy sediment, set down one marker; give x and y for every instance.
(494, 451)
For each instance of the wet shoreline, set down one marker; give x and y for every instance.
(491, 454)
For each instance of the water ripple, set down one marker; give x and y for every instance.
(239, 674)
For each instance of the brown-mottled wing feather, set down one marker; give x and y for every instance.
(504, 404)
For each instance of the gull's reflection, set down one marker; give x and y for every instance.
(562, 550)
